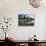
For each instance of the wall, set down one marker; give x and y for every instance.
(10, 8)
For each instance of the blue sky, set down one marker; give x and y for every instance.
(26, 14)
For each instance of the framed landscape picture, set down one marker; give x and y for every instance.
(25, 20)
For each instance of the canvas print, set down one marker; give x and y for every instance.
(25, 20)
